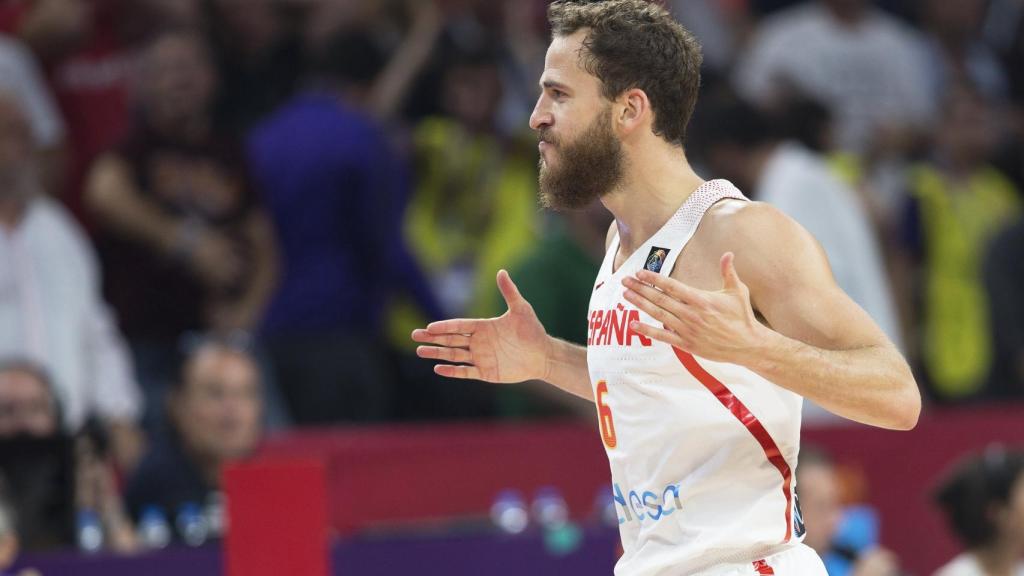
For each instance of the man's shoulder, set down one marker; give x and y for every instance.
(734, 223)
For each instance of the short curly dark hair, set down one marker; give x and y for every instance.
(637, 44)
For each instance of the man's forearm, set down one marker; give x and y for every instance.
(872, 385)
(566, 368)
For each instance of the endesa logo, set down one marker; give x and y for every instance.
(647, 505)
(611, 327)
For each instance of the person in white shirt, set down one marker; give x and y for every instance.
(51, 310)
(863, 64)
(983, 501)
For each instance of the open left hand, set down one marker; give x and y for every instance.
(718, 325)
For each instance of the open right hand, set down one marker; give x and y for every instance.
(510, 348)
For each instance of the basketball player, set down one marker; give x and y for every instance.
(710, 319)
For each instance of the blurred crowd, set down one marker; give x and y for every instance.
(224, 217)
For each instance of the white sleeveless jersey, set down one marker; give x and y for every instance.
(702, 453)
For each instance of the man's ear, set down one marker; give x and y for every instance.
(633, 110)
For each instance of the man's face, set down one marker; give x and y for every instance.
(820, 504)
(15, 145)
(180, 78)
(580, 155)
(26, 406)
(219, 407)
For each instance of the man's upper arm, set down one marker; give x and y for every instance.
(791, 283)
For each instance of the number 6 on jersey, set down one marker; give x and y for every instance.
(604, 415)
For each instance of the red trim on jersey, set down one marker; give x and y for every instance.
(762, 567)
(752, 424)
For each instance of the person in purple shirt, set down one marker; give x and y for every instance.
(336, 191)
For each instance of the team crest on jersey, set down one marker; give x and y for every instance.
(798, 518)
(656, 259)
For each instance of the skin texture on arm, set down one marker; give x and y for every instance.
(815, 341)
(111, 194)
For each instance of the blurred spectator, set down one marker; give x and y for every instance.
(1004, 278)
(50, 304)
(722, 27)
(336, 192)
(86, 48)
(48, 481)
(185, 246)
(983, 501)
(474, 204)
(956, 51)
(214, 410)
(959, 202)
(259, 58)
(741, 144)
(27, 404)
(855, 553)
(20, 75)
(865, 65)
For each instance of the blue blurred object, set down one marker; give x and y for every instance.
(857, 531)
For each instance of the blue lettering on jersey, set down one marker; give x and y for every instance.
(647, 505)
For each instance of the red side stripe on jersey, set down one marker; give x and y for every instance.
(752, 424)
(762, 567)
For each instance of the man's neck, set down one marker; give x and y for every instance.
(655, 185)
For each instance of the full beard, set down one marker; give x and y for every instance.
(589, 167)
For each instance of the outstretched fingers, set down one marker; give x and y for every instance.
(458, 371)
(457, 355)
(509, 291)
(455, 326)
(449, 340)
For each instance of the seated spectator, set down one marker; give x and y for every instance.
(183, 242)
(845, 551)
(51, 309)
(214, 412)
(959, 202)
(27, 404)
(983, 501)
(49, 475)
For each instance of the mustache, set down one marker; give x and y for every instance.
(546, 136)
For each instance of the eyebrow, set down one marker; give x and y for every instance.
(552, 84)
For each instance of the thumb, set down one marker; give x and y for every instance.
(509, 292)
(730, 280)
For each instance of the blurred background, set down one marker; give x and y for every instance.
(220, 220)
